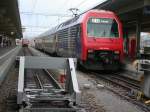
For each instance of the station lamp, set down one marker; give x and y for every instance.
(12, 33)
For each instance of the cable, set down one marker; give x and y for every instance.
(31, 26)
(44, 14)
(64, 4)
(81, 3)
(34, 31)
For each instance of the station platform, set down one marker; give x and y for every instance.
(7, 58)
(131, 68)
(4, 50)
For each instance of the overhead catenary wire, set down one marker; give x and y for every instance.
(64, 4)
(44, 14)
(80, 3)
(75, 9)
(29, 26)
(36, 15)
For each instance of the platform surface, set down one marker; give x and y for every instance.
(7, 58)
(4, 50)
(132, 69)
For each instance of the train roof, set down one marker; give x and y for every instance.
(71, 22)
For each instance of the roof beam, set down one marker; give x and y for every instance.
(146, 2)
(130, 7)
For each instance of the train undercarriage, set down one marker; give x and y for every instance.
(102, 60)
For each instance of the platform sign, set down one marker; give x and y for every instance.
(101, 20)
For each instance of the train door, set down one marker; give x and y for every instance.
(132, 48)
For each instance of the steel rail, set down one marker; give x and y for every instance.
(47, 89)
(129, 83)
(140, 104)
(39, 81)
(52, 80)
(121, 82)
(124, 96)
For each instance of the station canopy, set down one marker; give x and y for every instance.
(10, 23)
(130, 11)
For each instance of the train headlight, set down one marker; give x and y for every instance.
(90, 51)
(116, 52)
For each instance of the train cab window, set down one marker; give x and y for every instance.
(102, 27)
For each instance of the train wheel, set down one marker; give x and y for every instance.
(146, 84)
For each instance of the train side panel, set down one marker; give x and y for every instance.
(68, 42)
(49, 43)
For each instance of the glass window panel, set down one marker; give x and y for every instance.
(102, 27)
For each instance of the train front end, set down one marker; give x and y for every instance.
(102, 41)
(25, 42)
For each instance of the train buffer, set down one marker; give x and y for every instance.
(50, 97)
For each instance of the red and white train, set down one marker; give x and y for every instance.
(95, 38)
(25, 42)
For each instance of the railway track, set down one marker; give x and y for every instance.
(121, 81)
(43, 91)
(126, 88)
(37, 79)
(8, 90)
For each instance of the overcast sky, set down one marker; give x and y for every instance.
(37, 16)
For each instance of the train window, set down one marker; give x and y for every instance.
(102, 27)
(78, 31)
